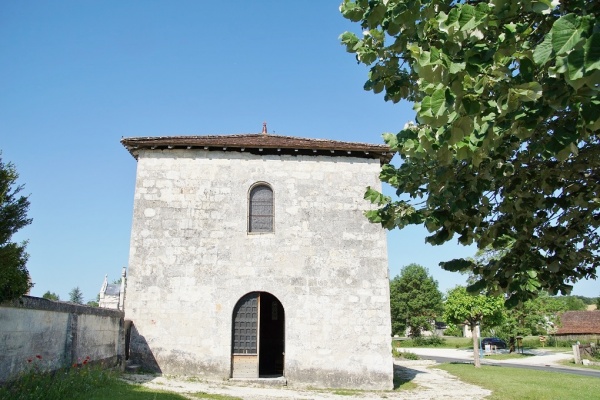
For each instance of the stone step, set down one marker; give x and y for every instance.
(269, 382)
(131, 367)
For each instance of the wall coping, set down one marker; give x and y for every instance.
(38, 303)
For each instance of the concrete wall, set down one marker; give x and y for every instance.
(192, 259)
(62, 334)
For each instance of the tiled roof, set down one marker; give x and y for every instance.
(261, 144)
(579, 322)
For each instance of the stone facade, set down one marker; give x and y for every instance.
(324, 265)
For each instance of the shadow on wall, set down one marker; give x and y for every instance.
(138, 350)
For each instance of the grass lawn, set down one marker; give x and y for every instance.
(86, 383)
(449, 342)
(125, 391)
(571, 363)
(510, 356)
(523, 384)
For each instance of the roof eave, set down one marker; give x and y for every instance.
(241, 143)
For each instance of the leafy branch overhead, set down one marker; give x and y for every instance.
(505, 152)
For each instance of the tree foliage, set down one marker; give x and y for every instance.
(14, 277)
(51, 296)
(474, 309)
(505, 152)
(415, 300)
(76, 295)
(539, 316)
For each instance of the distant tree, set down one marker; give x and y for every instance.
(572, 303)
(14, 277)
(76, 296)
(94, 303)
(537, 316)
(415, 300)
(51, 296)
(463, 307)
(598, 303)
(586, 300)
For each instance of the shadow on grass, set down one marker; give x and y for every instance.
(403, 377)
(127, 391)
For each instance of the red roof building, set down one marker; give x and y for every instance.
(580, 324)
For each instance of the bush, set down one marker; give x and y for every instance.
(552, 341)
(429, 341)
(421, 341)
(404, 354)
(453, 330)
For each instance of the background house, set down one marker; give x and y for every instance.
(579, 326)
(112, 294)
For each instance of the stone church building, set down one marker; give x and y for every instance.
(251, 258)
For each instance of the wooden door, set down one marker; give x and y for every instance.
(246, 316)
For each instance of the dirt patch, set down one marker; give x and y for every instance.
(432, 384)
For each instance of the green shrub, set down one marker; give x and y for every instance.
(429, 341)
(453, 330)
(552, 341)
(409, 356)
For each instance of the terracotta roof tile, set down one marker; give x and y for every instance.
(259, 142)
(579, 322)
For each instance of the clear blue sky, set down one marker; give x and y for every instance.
(77, 76)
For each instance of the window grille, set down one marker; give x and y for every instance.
(260, 213)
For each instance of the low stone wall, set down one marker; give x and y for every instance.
(52, 335)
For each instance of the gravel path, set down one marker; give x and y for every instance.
(432, 384)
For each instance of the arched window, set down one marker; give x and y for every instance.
(260, 209)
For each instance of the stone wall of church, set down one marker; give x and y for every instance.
(192, 259)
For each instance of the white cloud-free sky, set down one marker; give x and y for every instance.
(77, 76)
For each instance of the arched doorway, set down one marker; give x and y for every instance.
(257, 337)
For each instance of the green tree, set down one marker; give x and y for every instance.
(505, 152)
(598, 303)
(415, 300)
(95, 302)
(537, 316)
(76, 296)
(586, 300)
(14, 277)
(573, 303)
(50, 296)
(463, 307)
